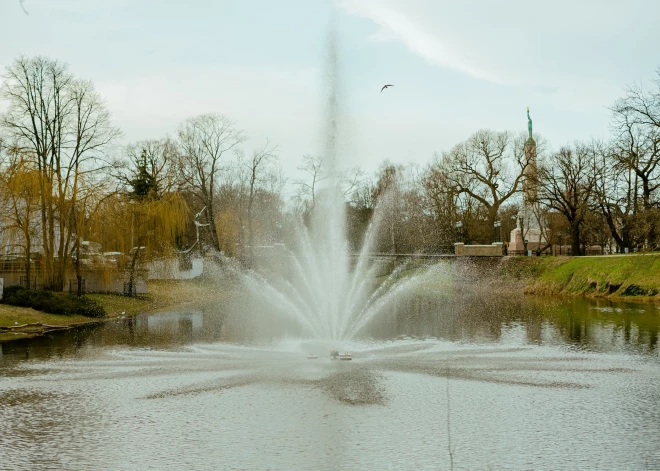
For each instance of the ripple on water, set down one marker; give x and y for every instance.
(397, 405)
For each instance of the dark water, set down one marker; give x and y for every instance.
(493, 382)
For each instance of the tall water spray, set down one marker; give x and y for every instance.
(331, 292)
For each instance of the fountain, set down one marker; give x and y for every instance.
(328, 295)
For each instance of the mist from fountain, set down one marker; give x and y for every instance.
(328, 295)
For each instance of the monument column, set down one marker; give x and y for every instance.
(527, 224)
(531, 171)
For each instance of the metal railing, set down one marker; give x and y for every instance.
(28, 283)
(130, 289)
(74, 285)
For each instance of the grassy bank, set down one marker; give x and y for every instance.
(630, 277)
(26, 322)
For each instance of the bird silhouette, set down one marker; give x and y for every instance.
(24, 10)
(385, 86)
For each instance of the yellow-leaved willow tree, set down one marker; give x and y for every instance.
(63, 124)
(19, 201)
(141, 228)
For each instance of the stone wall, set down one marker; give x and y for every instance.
(493, 250)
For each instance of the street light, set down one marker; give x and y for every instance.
(498, 231)
(279, 231)
(559, 242)
(459, 231)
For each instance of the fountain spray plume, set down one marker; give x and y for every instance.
(330, 291)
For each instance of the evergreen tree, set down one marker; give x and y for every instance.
(144, 185)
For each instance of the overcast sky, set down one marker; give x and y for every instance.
(457, 66)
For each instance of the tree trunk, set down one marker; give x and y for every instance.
(131, 275)
(250, 231)
(575, 238)
(612, 226)
(78, 275)
(213, 232)
(28, 253)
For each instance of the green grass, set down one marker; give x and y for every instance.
(625, 277)
(10, 315)
(116, 304)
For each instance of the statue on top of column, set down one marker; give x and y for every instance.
(529, 124)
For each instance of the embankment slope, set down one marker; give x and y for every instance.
(629, 277)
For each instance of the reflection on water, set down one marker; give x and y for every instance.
(516, 383)
(596, 325)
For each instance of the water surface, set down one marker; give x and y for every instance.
(481, 384)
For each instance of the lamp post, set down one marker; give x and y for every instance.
(459, 231)
(498, 231)
(279, 231)
(559, 234)
(132, 222)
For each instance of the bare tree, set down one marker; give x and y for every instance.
(636, 150)
(312, 165)
(204, 141)
(566, 183)
(442, 201)
(640, 105)
(352, 181)
(65, 125)
(257, 170)
(387, 194)
(614, 194)
(489, 167)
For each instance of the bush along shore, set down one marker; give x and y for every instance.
(623, 278)
(51, 302)
(27, 313)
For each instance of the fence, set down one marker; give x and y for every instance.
(591, 250)
(130, 288)
(76, 286)
(95, 281)
(28, 283)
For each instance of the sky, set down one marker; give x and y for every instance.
(457, 66)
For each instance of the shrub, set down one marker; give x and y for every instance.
(51, 302)
(635, 290)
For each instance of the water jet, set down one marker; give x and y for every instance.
(328, 290)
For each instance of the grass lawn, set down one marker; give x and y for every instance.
(10, 315)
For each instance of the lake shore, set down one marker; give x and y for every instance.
(24, 322)
(619, 278)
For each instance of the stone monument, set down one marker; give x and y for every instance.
(527, 221)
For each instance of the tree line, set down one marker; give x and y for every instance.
(66, 183)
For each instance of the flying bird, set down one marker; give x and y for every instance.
(24, 10)
(385, 86)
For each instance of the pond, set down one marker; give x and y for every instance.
(493, 382)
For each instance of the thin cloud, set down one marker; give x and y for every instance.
(396, 26)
